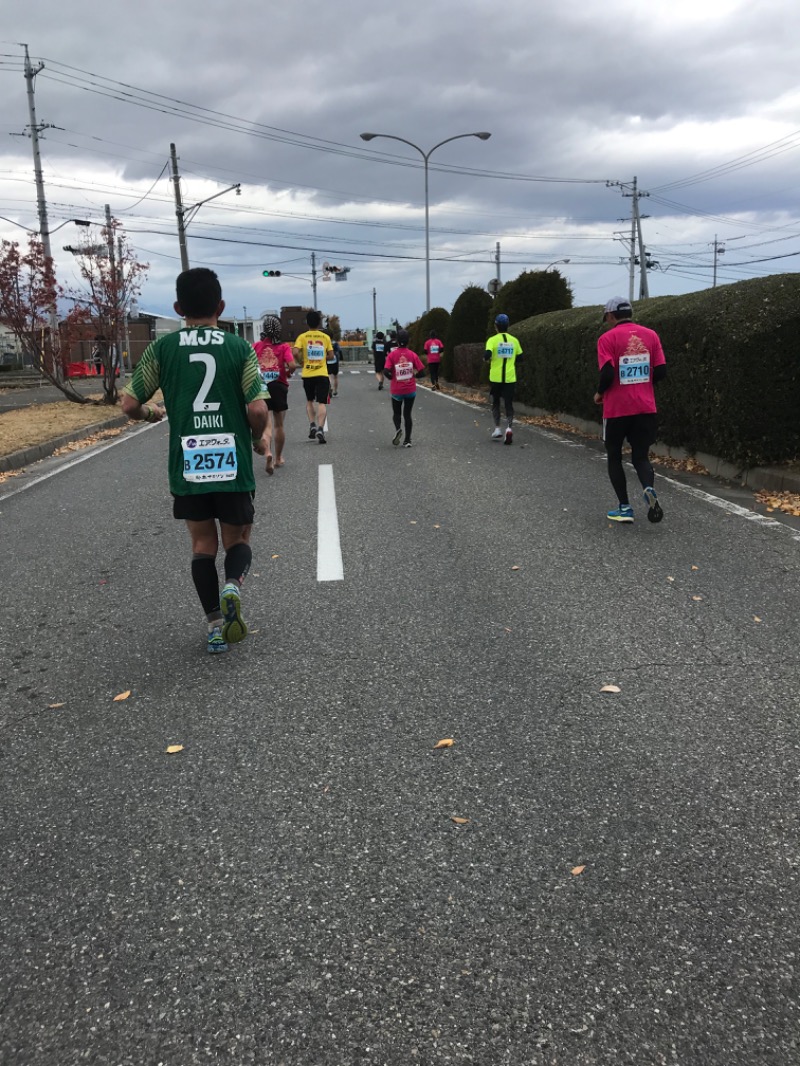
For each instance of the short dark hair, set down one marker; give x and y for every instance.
(314, 318)
(198, 292)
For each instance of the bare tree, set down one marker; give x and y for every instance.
(29, 296)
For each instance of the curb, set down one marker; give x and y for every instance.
(757, 478)
(22, 458)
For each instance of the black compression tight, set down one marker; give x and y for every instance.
(640, 457)
(403, 404)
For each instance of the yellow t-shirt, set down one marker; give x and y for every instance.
(313, 346)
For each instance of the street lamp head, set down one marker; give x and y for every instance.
(80, 222)
(483, 136)
(368, 136)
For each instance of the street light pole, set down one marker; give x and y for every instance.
(181, 213)
(555, 263)
(483, 136)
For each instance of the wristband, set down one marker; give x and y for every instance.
(146, 407)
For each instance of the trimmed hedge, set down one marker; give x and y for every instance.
(733, 367)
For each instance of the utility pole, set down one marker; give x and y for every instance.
(35, 128)
(374, 311)
(115, 293)
(497, 265)
(126, 351)
(176, 178)
(314, 277)
(719, 249)
(636, 236)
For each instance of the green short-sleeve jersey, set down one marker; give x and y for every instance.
(208, 377)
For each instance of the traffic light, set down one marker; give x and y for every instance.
(271, 273)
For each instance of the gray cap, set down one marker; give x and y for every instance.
(617, 304)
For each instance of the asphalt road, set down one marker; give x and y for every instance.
(291, 887)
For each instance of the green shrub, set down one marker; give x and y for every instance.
(467, 327)
(533, 292)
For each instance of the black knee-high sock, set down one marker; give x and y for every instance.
(206, 581)
(237, 562)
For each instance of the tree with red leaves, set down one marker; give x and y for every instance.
(112, 277)
(29, 297)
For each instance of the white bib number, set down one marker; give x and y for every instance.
(269, 375)
(209, 457)
(634, 369)
(404, 372)
(316, 353)
(505, 351)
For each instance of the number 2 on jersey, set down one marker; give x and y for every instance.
(200, 402)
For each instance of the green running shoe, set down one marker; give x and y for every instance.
(234, 627)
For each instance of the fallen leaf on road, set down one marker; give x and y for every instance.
(122, 696)
(437, 527)
(55, 706)
(670, 579)
(756, 618)
(276, 556)
(412, 523)
(515, 568)
(695, 568)
(506, 629)
(460, 821)
(611, 688)
(173, 749)
(697, 598)
(446, 743)
(577, 870)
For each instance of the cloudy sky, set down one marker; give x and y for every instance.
(697, 99)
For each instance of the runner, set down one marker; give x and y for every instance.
(402, 367)
(379, 354)
(503, 352)
(631, 362)
(433, 353)
(212, 390)
(311, 350)
(276, 364)
(333, 368)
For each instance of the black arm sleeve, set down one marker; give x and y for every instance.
(606, 378)
(487, 355)
(659, 373)
(387, 373)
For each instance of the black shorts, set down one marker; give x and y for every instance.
(333, 368)
(278, 396)
(232, 508)
(502, 390)
(317, 388)
(640, 431)
(380, 363)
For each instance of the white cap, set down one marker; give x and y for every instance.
(618, 303)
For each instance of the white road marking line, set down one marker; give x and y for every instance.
(74, 462)
(329, 549)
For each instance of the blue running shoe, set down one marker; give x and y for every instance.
(234, 628)
(623, 513)
(654, 512)
(216, 642)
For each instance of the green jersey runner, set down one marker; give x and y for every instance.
(208, 377)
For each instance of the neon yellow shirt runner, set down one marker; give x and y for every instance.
(504, 349)
(208, 377)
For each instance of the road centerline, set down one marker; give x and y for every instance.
(329, 549)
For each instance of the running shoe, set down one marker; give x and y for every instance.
(321, 436)
(509, 436)
(624, 513)
(234, 627)
(406, 443)
(654, 512)
(216, 641)
(396, 437)
(312, 431)
(497, 433)
(380, 387)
